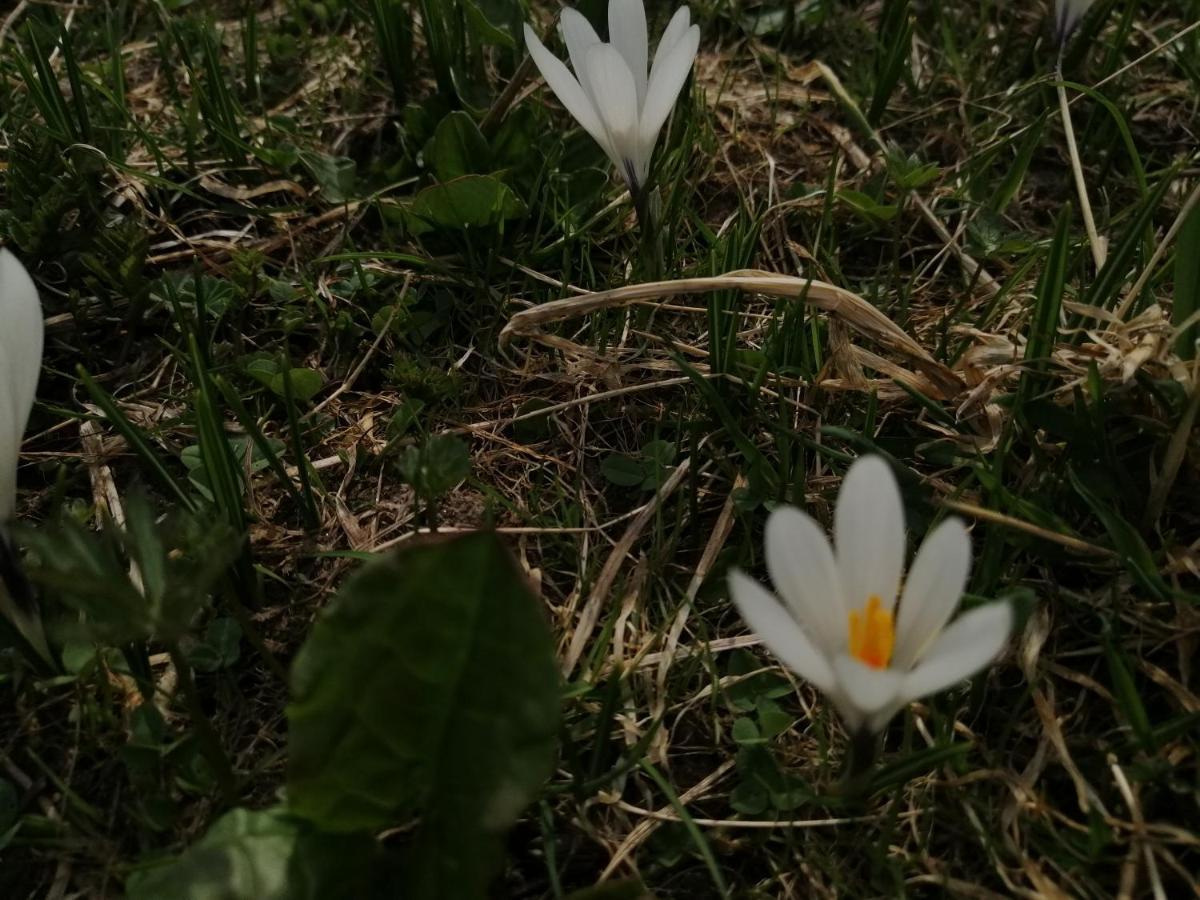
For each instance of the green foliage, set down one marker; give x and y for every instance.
(647, 471)
(268, 855)
(427, 631)
(177, 564)
(467, 202)
(459, 148)
(435, 466)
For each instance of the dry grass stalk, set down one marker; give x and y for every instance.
(847, 306)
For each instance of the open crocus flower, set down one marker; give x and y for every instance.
(611, 95)
(838, 625)
(1067, 15)
(20, 365)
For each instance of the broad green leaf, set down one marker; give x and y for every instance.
(436, 466)
(458, 148)
(483, 28)
(472, 201)
(265, 855)
(428, 688)
(622, 470)
(335, 174)
(745, 732)
(306, 383)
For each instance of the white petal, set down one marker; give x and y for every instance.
(578, 34)
(1067, 15)
(568, 91)
(868, 531)
(932, 591)
(669, 76)
(971, 642)
(876, 722)
(800, 562)
(676, 29)
(865, 691)
(767, 617)
(627, 32)
(20, 366)
(616, 101)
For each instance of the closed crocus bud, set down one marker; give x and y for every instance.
(1067, 15)
(619, 97)
(843, 621)
(20, 364)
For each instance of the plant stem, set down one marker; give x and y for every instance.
(860, 760)
(649, 216)
(206, 735)
(1096, 243)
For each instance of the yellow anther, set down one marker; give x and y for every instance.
(872, 634)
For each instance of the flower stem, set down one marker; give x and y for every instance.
(649, 215)
(860, 760)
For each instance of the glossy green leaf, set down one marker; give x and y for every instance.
(472, 201)
(264, 855)
(622, 470)
(458, 148)
(336, 175)
(428, 688)
(436, 466)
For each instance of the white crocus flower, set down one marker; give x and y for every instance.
(620, 104)
(20, 365)
(1067, 15)
(838, 626)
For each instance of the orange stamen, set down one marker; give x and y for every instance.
(872, 634)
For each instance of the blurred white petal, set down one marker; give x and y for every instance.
(1067, 14)
(20, 366)
(802, 568)
(868, 527)
(670, 73)
(932, 590)
(971, 642)
(868, 691)
(627, 32)
(767, 617)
